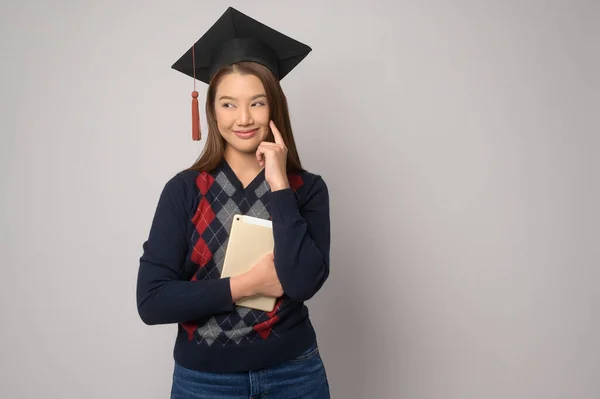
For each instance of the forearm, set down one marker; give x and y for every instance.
(242, 286)
(162, 301)
(302, 241)
(300, 265)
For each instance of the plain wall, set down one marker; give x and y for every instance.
(459, 141)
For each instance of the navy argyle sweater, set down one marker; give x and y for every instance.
(179, 272)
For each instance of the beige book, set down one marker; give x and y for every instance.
(250, 239)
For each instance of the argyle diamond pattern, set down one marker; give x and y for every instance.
(220, 201)
(213, 220)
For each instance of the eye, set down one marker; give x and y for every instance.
(227, 105)
(259, 103)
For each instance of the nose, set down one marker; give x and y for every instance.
(245, 116)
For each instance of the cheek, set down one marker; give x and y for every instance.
(223, 118)
(263, 121)
(261, 115)
(262, 118)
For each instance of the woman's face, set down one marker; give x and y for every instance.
(242, 111)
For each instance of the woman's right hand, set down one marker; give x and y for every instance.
(261, 279)
(265, 275)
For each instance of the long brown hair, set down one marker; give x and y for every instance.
(214, 149)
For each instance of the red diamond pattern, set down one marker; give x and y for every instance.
(204, 181)
(202, 218)
(276, 308)
(264, 329)
(201, 254)
(295, 180)
(190, 328)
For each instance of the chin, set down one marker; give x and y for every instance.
(244, 146)
(247, 149)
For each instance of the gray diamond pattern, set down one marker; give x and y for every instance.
(238, 333)
(210, 331)
(259, 210)
(225, 215)
(213, 330)
(262, 189)
(219, 256)
(225, 184)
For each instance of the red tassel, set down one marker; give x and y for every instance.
(195, 117)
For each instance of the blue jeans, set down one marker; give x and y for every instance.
(303, 377)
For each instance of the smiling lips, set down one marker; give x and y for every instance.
(245, 134)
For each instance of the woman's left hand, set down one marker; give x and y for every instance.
(273, 157)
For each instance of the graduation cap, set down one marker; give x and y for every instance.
(236, 37)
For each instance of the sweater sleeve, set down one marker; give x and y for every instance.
(302, 240)
(163, 296)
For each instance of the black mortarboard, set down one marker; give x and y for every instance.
(233, 38)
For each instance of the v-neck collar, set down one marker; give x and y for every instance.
(233, 178)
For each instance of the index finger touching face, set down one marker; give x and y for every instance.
(276, 133)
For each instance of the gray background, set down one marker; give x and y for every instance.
(465, 192)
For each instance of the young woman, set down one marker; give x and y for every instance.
(249, 166)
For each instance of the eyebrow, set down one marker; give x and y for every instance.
(234, 99)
